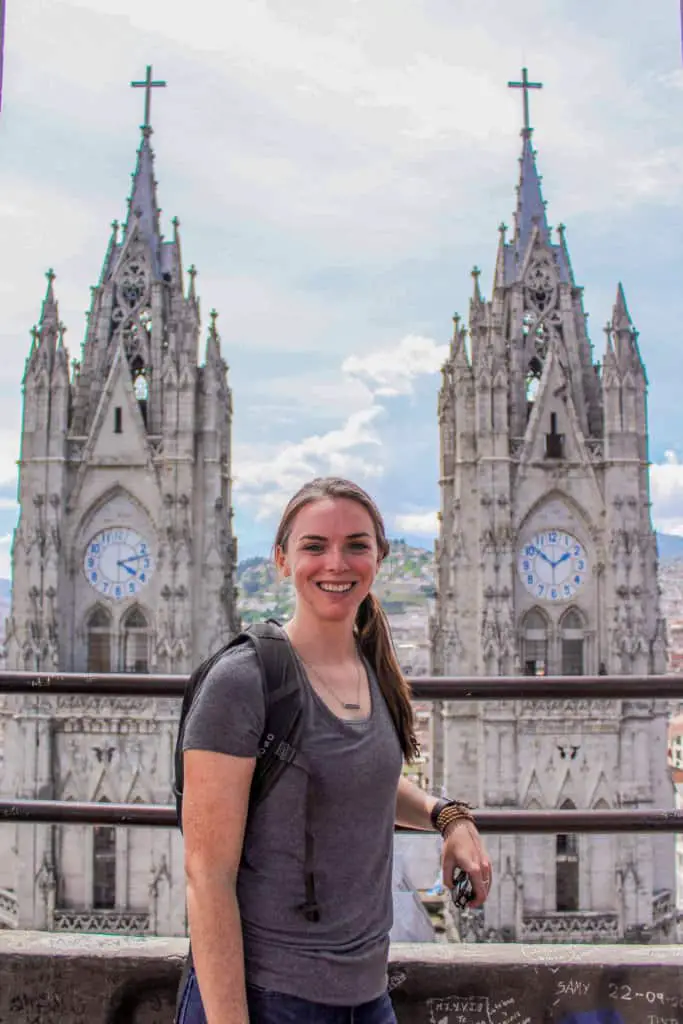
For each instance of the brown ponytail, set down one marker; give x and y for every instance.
(372, 627)
(374, 637)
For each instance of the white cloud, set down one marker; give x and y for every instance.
(320, 395)
(266, 480)
(424, 524)
(666, 485)
(391, 371)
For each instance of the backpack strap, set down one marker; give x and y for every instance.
(282, 676)
(282, 682)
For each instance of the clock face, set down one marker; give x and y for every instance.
(118, 563)
(552, 565)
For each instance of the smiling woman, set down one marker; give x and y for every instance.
(288, 919)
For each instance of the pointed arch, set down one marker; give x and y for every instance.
(135, 640)
(601, 796)
(104, 865)
(139, 791)
(572, 642)
(535, 642)
(86, 521)
(98, 630)
(567, 867)
(69, 789)
(104, 791)
(546, 499)
(534, 798)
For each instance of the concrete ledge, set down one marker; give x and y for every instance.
(88, 979)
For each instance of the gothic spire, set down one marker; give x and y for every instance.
(621, 318)
(530, 214)
(213, 342)
(142, 204)
(625, 335)
(49, 315)
(143, 200)
(530, 211)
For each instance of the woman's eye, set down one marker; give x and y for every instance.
(360, 546)
(313, 547)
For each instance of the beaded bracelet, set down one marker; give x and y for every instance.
(450, 811)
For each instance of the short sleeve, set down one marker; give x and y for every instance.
(228, 714)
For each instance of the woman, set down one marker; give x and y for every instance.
(256, 956)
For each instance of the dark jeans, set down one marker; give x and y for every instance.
(277, 1008)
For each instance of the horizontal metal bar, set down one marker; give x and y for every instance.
(121, 684)
(159, 816)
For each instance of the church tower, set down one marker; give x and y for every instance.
(547, 564)
(123, 561)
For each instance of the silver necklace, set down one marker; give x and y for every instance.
(348, 706)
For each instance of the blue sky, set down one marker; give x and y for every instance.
(338, 166)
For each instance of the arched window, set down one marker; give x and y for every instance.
(567, 868)
(535, 644)
(99, 641)
(135, 638)
(572, 634)
(141, 388)
(533, 379)
(140, 385)
(104, 866)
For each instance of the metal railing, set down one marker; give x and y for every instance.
(475, 688)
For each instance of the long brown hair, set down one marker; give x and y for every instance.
(371, 626)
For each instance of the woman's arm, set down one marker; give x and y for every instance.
(462, 846)
(215, 804)
(413, 806)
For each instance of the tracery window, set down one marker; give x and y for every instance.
(572, 640)
(567, 868)
(135, 639)
(99, 641)
(535, 642)
(104, 866)
(140, 385)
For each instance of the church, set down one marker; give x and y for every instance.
(547, 565)
(123, 560)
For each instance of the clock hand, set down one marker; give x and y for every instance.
(543, 555)
(128, 569)
(564, 558)
(132, 558)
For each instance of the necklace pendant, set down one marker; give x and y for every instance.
(351, 707)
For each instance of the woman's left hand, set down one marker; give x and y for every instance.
(463, 848)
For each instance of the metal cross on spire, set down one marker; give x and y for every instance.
(148, 85)
(525, 84)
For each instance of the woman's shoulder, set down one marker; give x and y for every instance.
(232, 685)
(235, 661)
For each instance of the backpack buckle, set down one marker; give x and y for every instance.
(285, 752)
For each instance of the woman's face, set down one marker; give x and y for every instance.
(332, 557)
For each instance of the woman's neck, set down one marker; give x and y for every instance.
(319, 642)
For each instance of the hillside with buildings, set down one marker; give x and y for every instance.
(406, 583)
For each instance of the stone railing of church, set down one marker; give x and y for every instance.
(9, 909)
(108, 922)
(582, 926)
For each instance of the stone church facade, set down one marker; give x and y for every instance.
(123, 560)
(547, 564)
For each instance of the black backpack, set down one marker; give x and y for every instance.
(282, 686)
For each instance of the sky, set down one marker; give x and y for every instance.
(338, 167)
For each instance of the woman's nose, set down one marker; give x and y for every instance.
(335, 560)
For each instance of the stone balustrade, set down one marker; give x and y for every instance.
(48, 978)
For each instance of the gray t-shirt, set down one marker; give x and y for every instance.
(355, 769)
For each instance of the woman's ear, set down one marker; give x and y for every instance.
(281, 563)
